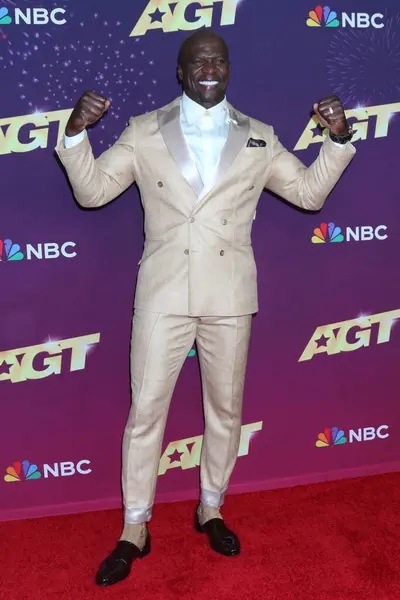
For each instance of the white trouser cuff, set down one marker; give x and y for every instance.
(138, 515)
(213, 499)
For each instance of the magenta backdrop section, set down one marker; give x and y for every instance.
(322, 382)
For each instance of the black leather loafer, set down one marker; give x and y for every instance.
(117, 566)
(221, 539)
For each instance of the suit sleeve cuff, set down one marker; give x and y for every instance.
(340, 145)
(80, 148)
(343, 149)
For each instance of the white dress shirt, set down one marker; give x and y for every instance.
(205, 133)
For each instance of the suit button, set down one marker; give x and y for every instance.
(224, 221)
(186, 251)
(191, 220)
(222, 253)
(160, 184)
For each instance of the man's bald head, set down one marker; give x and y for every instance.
(199, 36)
(203, 67)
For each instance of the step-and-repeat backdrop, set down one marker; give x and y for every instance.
(321, 396)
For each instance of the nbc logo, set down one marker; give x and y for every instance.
(5, 19)
(32, 16)
(333, 436)
(25, 471)
(325, 17)
(320, 17)
(10, 251)
(329, 232)
(22, 471)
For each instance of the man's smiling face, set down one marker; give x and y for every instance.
(204, 69)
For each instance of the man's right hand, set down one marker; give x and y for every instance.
(89, 109)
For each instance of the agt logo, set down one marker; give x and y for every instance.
(10, 252)
(325, 17)
(383, 114)
(333, 436)
(26, 471)
(327, 233)
(43, 360)
(33, 128)
(347, 336)
(184, 15)
(185, 454)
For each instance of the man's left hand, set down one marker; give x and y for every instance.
(330, 113)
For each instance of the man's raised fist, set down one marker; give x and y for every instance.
(89, 109)
(330, 113)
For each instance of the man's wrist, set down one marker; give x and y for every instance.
(342, 137)
(73, 132)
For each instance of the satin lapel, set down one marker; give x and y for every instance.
(238, 133)
(170, 129)
(239, 128)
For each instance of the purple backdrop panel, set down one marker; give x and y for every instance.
(321, 388)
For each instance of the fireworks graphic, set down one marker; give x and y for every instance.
(53, 70)
(363, 67)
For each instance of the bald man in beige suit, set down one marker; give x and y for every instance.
(201, 166)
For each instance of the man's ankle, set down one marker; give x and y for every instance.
(135, 533)
(206, 513)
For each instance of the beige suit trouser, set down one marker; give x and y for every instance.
(160, 345)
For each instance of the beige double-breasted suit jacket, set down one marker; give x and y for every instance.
(198, 258)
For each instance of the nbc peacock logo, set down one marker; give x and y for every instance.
(22, 471)
(322, 17)
(5, 19)
(327, 232)
(10, 251)
(331, 436)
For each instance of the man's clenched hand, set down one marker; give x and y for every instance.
(89, 109)
(330, 113)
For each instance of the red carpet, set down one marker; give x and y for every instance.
(331, 541)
